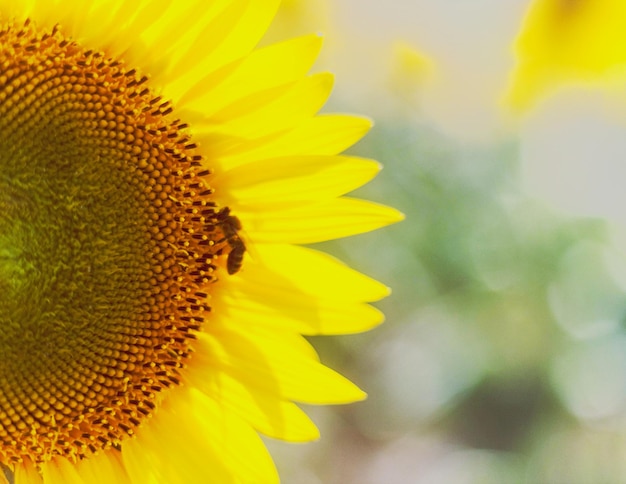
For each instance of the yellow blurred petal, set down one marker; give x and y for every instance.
(314, 272)
(26, 473)
(233, 34)
(268, 184)
(123, 18)
(113, 26)
(272, 66)
(146, 468)
(197, 440)
(265, 412)
(297, 312)
(177, 455)
(317, 222)
(61, 471)
(282, 299)
(103, 468)
(295, 16)
(242, 37)
(410, 69)
(321, 135)
(20, 9)
(274, 110)
(213, 39)
(263, 361)
(567, 41)
(181, 18)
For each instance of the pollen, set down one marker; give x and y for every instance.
(109, 245)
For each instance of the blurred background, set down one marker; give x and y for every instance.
(501, 125)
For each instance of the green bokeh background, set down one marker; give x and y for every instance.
(503, 357)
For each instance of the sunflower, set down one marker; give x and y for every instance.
(158, 177)
(568, 42)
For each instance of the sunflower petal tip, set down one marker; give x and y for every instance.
(379, 166)
(394, 216)
(356, 394)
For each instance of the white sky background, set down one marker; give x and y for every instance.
(573, 146)
(469, 42)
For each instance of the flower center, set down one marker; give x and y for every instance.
(109, 241)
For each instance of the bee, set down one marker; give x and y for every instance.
(231, 226)
(235, 256)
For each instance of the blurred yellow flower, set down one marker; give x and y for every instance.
(297, 16)
(410, 70)
(158, 175)
(567, 41)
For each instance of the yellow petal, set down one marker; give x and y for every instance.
(411, 67)
(104, 468)
(292, 311)
(26, 473)
(269, 184)
(321, 135)
(273, 110)
(568, 41)
(192, 438)
(317, 222)
(300, 269)
(230, 36)
(20, 9)
(265, 412)
(276, 65)
(61, 471)
(261, 360)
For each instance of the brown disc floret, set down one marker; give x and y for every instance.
(109, 242)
